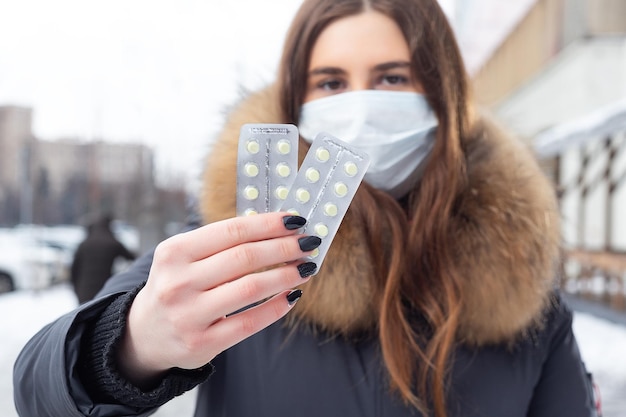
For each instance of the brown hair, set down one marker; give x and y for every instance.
(417, 270)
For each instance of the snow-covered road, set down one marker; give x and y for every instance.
(602, 343)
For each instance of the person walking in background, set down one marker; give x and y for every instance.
(438, 296)
(94, 258)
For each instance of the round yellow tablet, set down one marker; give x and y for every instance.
(294, 212)
(251, 169)
(312, 175)
(330, 209)
(251, 192)
(322, 154)
(351, 169)
(250, 212)
(281, 192)
(283, 147)
(253, 146)
(341, 189)
(283, 170)
(315, 253)
(302, 195)
(321, 230)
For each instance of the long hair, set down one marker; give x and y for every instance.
(418, 273)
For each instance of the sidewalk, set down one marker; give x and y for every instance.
(596, 309)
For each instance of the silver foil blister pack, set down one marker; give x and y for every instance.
(267, 164)
(321, 191)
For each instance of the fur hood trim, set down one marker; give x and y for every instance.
(505, 235)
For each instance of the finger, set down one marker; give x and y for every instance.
(251, 289)
(244, 259)
(216, 237)
(233, 329)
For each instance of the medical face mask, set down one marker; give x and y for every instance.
(396, 129)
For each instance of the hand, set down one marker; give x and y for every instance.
(179, 319)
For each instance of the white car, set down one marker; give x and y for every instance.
(33, 257)
(27, 263)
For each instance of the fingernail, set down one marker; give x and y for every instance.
(309, 243)
(294, 222)
(307, 269)
(294, 296)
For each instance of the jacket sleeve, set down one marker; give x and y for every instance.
(564, 388)
(98, 368)
(46, 376)
(124, 252)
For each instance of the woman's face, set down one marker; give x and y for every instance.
(361, 52)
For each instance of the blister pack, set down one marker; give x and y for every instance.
(321, 191)
(324, 187)
(267, 164)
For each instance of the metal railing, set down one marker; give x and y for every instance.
(588, 162)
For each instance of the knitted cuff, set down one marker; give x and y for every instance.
(99, 373)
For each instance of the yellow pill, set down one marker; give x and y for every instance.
(283, 170)
(294, 212)
(251, 193)
(330, 209)
(302, 195)
(315, 253)
(322, 154)
(312, 175)
(253, 146)
(341, 189)
(283, 147)
(251, 169)
(281, 192)
(351, 169)
(321, 230)
(250, 212)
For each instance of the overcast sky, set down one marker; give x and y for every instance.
(155, 71)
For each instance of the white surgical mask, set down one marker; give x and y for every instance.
(396, 129)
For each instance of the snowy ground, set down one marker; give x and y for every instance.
(602, 343)
(23, 314)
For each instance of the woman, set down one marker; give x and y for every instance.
(435, 299)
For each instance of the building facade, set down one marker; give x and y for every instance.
(558, 80)
(16, 139)
(60, 181)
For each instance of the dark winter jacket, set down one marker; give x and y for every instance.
(516, 355)
(275, 373)
(94, 259)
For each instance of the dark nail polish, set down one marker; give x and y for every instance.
(294, 222)
(309, 243)
(294, 296)
(307, 269)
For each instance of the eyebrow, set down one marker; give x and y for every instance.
(327, 71)
(392, 65)
(380, 67)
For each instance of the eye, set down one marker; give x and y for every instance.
(324, 82)
(330, 84)
(392, 79)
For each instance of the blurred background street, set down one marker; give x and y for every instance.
(112, 106)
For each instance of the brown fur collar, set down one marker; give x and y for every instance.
(505, 236)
